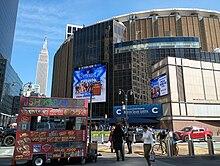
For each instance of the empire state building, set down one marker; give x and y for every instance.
(42, 69)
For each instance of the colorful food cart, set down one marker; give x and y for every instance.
(51, 128)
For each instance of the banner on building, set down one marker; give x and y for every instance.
(145, 110)
(159, 86)
(87, 75)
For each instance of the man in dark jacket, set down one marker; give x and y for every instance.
(118, 137)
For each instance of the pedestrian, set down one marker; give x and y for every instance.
(111, 139)
(148, 141)
(129, 139)
(118, 138)
(161, 136)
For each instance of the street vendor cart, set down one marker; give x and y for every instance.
(51, 128)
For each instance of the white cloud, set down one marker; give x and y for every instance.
(35, 20)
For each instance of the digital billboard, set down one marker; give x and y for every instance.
(159, 86)
(87, 75)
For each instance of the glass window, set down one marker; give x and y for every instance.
(39, 123)
(69, 29)
(217, 55)
(212, 56)
(207, 56)
(203, 58)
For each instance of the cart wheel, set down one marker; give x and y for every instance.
(38, 161)
(9, 140)
(83, 161)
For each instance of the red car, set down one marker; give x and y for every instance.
(195, 133)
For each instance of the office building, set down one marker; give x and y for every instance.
(10, 83)
(97, 49)
(129, 45)
(30, 89)
(42, 69)
(193, 96)
(71, 29)
(8, 15)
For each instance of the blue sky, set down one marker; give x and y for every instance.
(37, 18)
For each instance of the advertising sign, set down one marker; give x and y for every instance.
(145, 110)
(51, 102)
(158, 86)
(87, 75)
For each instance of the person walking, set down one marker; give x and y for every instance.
(118, 137)
(111, 139)
(129, 139)
(148, 140)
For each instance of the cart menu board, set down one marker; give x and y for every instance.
(41, 128)
(53, 112)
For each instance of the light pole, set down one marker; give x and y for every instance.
(126, 103)
(90, 112)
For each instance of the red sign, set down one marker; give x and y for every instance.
(54, 112)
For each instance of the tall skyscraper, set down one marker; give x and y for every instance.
(8, 15)
(10, 83)
(42, 68)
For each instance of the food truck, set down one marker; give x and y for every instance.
(51, 128)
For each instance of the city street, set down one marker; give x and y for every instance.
(136, 158)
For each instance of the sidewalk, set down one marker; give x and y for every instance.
(109, 159)
(137, 159)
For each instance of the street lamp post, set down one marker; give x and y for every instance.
(126, 103)
(90, 112)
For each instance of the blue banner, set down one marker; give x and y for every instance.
(146, 110)
(159, 86)
(87, 75)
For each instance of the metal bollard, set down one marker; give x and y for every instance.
(190, 146)
(134, 138)
(169, 148)
(102, 137)
(210, 147)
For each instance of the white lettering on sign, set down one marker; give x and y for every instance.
(143, 111)
(155, 110)
(118, 111)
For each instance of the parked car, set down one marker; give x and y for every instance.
(7, 136)
(195, 133)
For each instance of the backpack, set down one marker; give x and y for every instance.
(176, 136)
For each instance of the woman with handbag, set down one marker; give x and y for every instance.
(148, 140)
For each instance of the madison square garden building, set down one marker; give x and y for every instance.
(149, 52)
